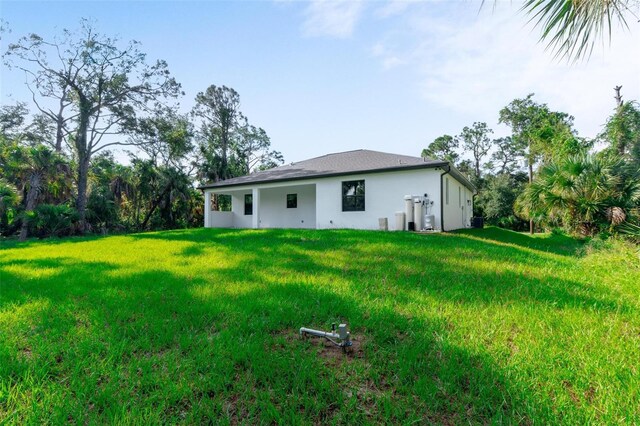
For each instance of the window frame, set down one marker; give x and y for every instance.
(355, 202)
(248, 202)
(293, 202)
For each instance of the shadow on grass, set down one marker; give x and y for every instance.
(436, 265)
(552, 243)
(153, 346)
(95, 341)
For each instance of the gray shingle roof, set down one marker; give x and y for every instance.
(341, 163)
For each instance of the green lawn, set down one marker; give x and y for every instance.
(480, 326)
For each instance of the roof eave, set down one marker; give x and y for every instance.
(325, 175)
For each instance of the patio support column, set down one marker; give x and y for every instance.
(207, 209)
(256, 208)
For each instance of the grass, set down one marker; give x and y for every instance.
(481, 326)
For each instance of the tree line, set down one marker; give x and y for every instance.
(544, 175)
(92, 93)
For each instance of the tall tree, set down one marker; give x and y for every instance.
(218, 108)
(254, 150)
(12, 118)
(543, 133)
(622, 130)
(100, 88)
(166, 140)
(507, 154)
(34, 170)
(497, 199)
(475, 139)
(443, 148)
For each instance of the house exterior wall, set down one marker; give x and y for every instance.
(320, 201)
(273, 212)
(240, 220)
(457, 211)
(384, 196)
(219, 219)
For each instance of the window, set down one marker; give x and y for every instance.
(248, 204)
(292, 201)
(460, 196)
(446, 181)
(353, 196)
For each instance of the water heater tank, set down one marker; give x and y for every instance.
(408, 209)
(417, 213)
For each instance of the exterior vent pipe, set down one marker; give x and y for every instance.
(442, 196)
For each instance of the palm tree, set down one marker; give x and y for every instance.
(580, 193)
(571, 27)
(35, 169)
(8, 203)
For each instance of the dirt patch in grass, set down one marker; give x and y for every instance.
(26, 353)
(334, 354)
(569, 388)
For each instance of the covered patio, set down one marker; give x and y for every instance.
(268, 206)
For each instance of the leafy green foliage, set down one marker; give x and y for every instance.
(577, 192)
(53, 220)
(443, 148)
(571, 27)
(101, 86)
(507, 156)
(544, 135)
(8, 207)
(475, 140)
(622, 134)
(495, 202)
(228, 145)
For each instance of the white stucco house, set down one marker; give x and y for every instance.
(353, 189)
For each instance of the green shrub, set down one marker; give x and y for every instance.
(49, 220)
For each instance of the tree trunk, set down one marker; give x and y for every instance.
(81, 201)
(215, 203)
(59, 135)
(154, 206)
(531, 228)
(84, 157)
(619, 142)
(225, 146)
(35, 186)
(618, 96)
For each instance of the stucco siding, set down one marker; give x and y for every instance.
(319, 202)
(240, 220)
(275, 214)
(457, 211)
(384, 196)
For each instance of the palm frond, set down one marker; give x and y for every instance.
(571, 27)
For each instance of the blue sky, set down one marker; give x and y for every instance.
(328, 76)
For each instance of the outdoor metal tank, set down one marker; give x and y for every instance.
(400, 221)
(417, 213)
(408, 210)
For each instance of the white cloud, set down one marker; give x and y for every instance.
(332, 18)
(393, 7)
(389, 60)
(474, 64)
